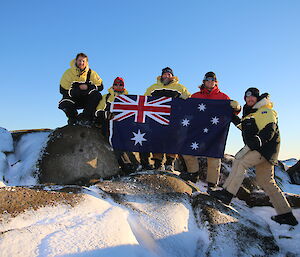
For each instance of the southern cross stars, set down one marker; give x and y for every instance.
(185, 122)
(201, 107)
(138, 138)
(214, 120)
(195, 145)
(205, 130)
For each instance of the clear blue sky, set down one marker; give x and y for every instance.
(245, 42)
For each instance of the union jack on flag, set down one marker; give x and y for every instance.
(170, 125)
(141, 108)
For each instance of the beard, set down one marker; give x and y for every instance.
(166, 81)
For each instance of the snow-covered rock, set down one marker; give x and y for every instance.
(6, 141)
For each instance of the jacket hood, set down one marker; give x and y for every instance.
(174, 79)
(264, 102)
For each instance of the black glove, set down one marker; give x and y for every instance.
(75, 91)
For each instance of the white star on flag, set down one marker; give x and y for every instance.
(201, 107)
(138, 138)
(195, 146)
(185, 122)
(215, 120)
(205, 130)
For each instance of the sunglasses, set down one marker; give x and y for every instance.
(209, 79)
(118, 84)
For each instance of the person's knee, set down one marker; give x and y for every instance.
(95, 96)
(66, 104)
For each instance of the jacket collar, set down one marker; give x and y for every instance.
(204, 90)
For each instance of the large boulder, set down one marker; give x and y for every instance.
(76, 154)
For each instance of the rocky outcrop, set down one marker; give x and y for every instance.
(233, 232)
(76, 154)
(294, 173)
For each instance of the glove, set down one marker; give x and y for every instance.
(75, 91)
(242, 152)
(235, 106)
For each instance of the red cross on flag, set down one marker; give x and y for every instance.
(140, 108)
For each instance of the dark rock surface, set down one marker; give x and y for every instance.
(76, 154)
(15, 200)
(233, 228)
(294, 173)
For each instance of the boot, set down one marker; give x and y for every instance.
(187, 176)
(286, 218)
(170, 164)
(84, 120)
(72, 121)
(223, 195)
(144, 160)
(158, 164)
(147, 166)
(210, 187)
(127, 168)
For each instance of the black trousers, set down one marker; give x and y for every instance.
(87, 102)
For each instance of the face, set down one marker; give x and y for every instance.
(167, 75)
(118, 86)
(81, 62)
(251, 100)
(209, 84)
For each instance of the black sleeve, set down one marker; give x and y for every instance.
(236, 120)
(63, 91)
(100, 88)
(268, 132)
(250, 134)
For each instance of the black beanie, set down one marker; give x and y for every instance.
(252, 91)
(210, 74)
(167, 69)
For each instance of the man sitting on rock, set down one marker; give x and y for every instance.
(80, 87)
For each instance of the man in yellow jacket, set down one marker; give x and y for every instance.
(80, 87)
(167, 85)
(261, 136)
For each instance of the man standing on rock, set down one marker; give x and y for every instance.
(262, 140)
(167, 85)
(80, 87)
(208, 90)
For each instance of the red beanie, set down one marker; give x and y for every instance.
(119, 80)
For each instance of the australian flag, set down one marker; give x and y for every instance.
(193, 126)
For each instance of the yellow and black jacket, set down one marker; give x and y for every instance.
(260, 130)
(73, 77)
(105, 102)
(173, 89)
